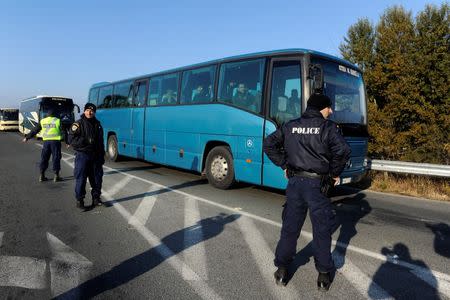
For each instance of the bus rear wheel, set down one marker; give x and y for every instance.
(112, 153)
(220, 167)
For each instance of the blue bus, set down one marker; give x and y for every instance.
(212, 117)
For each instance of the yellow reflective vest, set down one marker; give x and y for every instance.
(51, 129)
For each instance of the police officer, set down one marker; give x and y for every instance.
(50, 129)
(86, 138)
(307, 149)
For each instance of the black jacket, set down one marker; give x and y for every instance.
(86, 135)
(310, 143)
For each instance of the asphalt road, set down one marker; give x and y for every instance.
(166, 234)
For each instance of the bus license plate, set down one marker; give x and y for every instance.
(346, 180)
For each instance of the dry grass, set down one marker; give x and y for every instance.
(411, 185)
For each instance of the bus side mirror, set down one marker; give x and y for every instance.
(78, 108)
(316, 77)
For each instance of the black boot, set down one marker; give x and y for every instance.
(57, 177)
(80, 204)
(281, 276)
(42, 177)
(324, 281)
(96, 201)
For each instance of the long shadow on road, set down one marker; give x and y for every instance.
(157, 192)
(146, 261)
(441, 238)
(400, 282)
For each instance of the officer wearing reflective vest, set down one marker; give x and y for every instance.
(51, 133)
(86, 138)
(309, 149)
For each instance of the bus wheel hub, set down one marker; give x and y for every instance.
(219, 168)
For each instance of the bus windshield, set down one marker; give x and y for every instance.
(62, 110)
(9, 115)
(345, 87)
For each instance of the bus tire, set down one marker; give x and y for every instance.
(220, 167)
(112, 150)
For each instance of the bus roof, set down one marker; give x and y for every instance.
(238, 57)
(7, 108)
(44, 96)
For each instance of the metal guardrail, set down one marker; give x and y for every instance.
(409, 168)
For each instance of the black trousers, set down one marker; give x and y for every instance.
(52, 148)
(303, 193)
(88, 166)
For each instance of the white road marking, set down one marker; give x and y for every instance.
(68, 161)
(194, 255)
(359, 279)
(68, 268)
(24, 272)
(200, 286)
(144, 209)
(263, 257)
(443, 280)
(118, 186)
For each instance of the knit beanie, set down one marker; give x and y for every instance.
(90, 106)
(319, 101)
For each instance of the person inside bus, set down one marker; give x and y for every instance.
(243, 98)
(227, 93)
(294, 102)
(52, 134)
(209, 93)
(199, 95)
(169, 97)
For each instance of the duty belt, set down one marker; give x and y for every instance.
(292, 173)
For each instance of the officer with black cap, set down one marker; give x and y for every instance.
(86, 138)
(308, 149)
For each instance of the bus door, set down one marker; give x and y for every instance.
(283, 104)
(138, 118)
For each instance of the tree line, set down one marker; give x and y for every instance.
(406, 67)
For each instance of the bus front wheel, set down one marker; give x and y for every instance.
(112, 152)
(220, 168)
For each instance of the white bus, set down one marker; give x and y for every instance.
(9, 119)
(33, 109)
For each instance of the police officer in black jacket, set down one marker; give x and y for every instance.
(308, 149)
(86, 138)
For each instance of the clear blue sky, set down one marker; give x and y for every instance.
(60, 47)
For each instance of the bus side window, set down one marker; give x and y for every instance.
(198, 85)
(105, 95)
(93, 96)
(286, 81)
(122, 94)
(140, 93)
(240, 84)
(154, 91)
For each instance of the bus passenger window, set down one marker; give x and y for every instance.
(198, 85)
(123, 93)
(93, 96)
(240, 84)
(105, 96)
(286, 81)
(140, 93)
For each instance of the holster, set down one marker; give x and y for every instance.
(326, 184)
